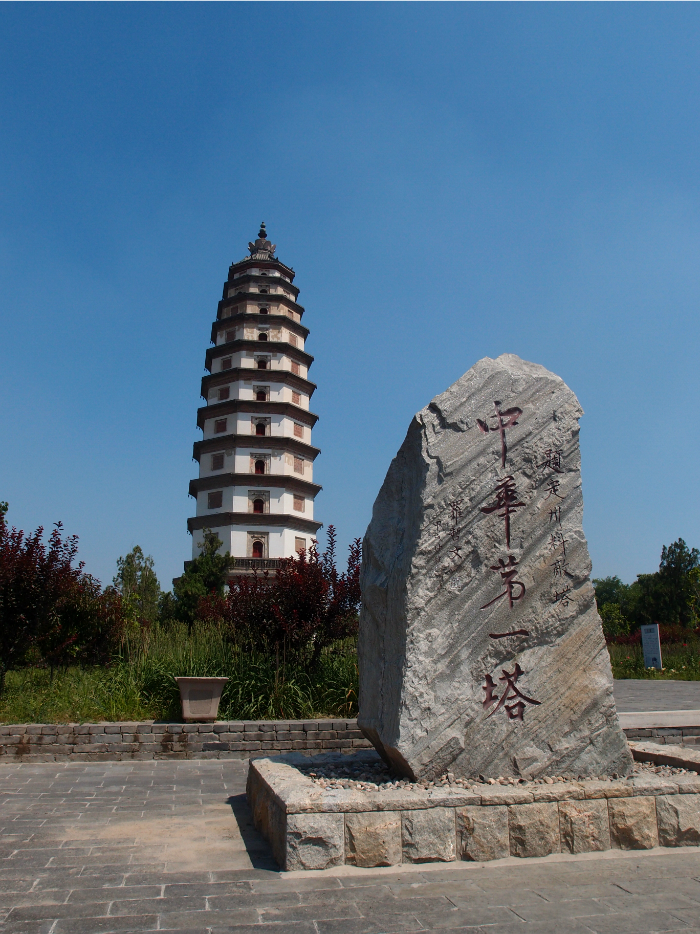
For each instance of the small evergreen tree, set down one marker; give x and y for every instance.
(138, 585)
(204, 576)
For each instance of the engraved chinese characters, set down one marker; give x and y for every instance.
(480, 646)
(506, 504)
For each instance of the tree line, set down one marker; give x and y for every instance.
(669, 597)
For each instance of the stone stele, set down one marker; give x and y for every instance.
(481, 651)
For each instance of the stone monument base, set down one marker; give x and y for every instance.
(311, 827)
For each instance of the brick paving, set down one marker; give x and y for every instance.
(168, 845)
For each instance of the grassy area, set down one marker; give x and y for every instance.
(681, 662)
(140, 684)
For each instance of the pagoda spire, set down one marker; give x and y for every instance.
(262, 248)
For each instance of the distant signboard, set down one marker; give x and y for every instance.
(651, 644)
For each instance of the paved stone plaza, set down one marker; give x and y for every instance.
(164, 845)
(637, 695)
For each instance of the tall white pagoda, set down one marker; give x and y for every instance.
(255, 487)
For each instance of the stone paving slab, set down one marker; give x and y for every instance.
(639, 694)
(201, 867)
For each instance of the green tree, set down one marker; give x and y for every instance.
(615, 623)
(677, 583)
(204, 576)
(609, 590)
(138, 585)
(612, 597)
(669, 596)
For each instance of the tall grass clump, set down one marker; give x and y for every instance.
(259, 685)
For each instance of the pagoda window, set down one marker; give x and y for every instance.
(299, 544)
(264, 311)
(295, 368)
(258, 549)
(220, 426)
(262, 336)
(298, 465)
(224, 393)
(296, 398)
(217, 462)
(299, 504)
(226, 363)
(261, 396)
(230, 336)
(263, 291)
(298, 430)
(258, 501)
(260, 466)
(260, 426)
(215, 499)
(262, 364)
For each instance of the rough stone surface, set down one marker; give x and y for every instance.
(678, 819)
(314, 841)
(482, 833)
(633, 823)
(584, 826)
(373, 838)
(431, 596)
(534, 829)
(428, 835)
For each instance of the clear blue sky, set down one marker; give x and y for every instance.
(449, 181)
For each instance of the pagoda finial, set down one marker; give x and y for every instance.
(262, 245)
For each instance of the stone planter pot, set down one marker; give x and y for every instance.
(200, 698)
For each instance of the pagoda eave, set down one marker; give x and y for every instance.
(267, 480)
(252, 407)
(237, 373)
(223, 324)
(280, 347)
(255, 442)
(262, 263)
(253, 519)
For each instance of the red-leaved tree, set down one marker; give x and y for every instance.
(50, 610)
(304, 607)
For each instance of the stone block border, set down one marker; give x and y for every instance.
(238, 739)
(680, 735)
(311, 827)
(89, 742)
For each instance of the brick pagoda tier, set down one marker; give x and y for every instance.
(255, 487)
